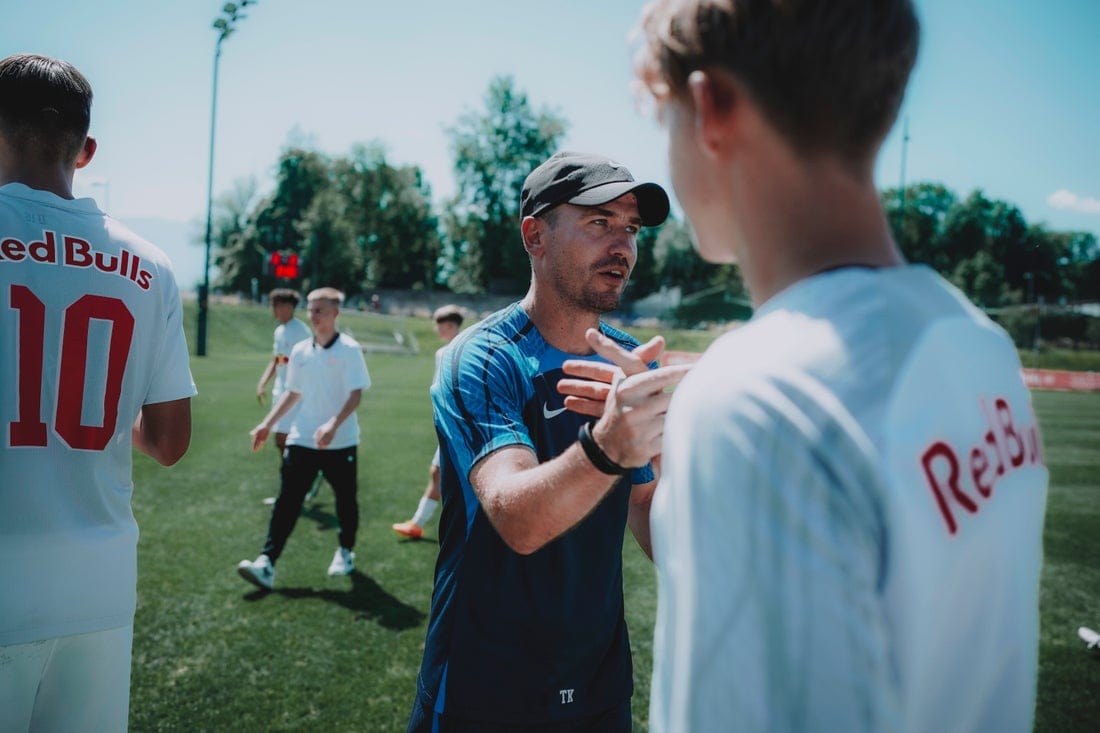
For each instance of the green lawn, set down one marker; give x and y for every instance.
(341, 654)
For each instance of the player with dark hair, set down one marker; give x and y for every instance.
(93, 363)
(448, 321)
(848, 528)
(326, 376)
(527, 628)
(290, 331)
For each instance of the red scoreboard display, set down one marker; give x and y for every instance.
(284, 266)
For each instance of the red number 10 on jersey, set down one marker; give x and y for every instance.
(30, 429)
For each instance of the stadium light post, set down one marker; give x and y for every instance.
(224, 24)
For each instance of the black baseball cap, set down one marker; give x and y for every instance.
(589, 180)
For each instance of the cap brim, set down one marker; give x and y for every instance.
(653, 205)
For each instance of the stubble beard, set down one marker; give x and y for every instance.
(585, 296)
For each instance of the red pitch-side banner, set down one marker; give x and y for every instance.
(1057, 379)
(1052, 379)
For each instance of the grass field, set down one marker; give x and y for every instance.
(341, 654)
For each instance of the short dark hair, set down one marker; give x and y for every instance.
(450, 313)
(45, 106)
(284, 295)
(829, 75)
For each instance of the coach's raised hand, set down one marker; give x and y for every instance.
(628, 397)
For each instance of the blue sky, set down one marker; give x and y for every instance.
(1004, 97)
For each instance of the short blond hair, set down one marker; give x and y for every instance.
(330, 294)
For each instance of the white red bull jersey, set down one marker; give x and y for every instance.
(90, 330)
(848, 528)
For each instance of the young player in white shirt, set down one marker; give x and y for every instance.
(326, 379)
(93, 363)
(848, 528)
(289, 332)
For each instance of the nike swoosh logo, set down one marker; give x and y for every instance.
(551, 414)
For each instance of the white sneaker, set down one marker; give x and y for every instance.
(260, 572)
(343, 562)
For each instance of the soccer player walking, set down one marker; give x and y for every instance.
(848, 528)
(93, 363)
(325, 381)
(527, 627)
(289, 332)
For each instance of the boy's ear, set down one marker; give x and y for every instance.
(87, 152)
(716, 100)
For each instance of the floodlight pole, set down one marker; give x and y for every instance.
(225, 25)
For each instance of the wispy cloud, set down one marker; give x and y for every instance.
(1063, 199)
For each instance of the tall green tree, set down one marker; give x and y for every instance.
(989, 244)
(678, 264)
(302, 174)
(326, 236)
(274, 222)
(1076, 258)
(393, 226)
(916, 217)
(645, 278)
(494, 149)
(235, 258)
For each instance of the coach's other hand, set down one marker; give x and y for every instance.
(587, 394)
(629, 398)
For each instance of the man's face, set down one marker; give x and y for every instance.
(590, 252)
(322, 315)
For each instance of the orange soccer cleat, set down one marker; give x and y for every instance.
(409, 529)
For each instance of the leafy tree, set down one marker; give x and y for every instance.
(1076, 255)
(494, 151)
(645, 279)
(302, 174)
(991, 248)
(237, 261)
(390, 218)
(326, 235)
(917, 218)
(711, 292)
(273, 223)
(678, 263)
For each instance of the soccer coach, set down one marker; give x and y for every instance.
(527, 629)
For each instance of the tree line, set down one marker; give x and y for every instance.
(361, 223)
